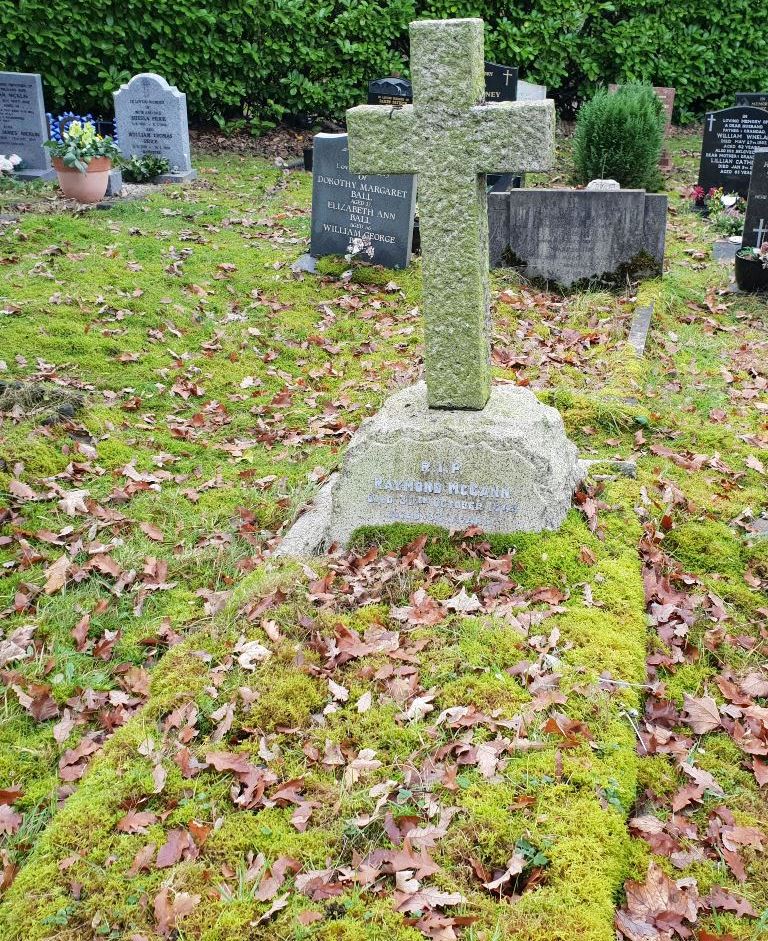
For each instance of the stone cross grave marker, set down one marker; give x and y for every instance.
(151, 118)
(756, 217)
(23, 125)
(454, 451)
(452, 139)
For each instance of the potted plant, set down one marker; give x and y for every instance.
(752, 268)
(82, 160)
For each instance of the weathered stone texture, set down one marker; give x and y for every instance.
(505, 468)
(449, 137)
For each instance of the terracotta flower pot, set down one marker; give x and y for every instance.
(88, 187)
(750, 275)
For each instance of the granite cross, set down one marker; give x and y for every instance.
(451, 139)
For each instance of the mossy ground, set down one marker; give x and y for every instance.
(196, 285)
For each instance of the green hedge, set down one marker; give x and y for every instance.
(269, 59)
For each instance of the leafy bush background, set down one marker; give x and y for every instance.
(270, 59)
(620, 137)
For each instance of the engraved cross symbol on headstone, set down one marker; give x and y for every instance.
(451, 139)
(711, 120)
(507, 76)
(762, 233)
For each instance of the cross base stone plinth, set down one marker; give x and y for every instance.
(508, 467)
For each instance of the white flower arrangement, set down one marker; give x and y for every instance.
(9, 164)
(360, 246)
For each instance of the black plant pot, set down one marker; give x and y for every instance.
(751, 276)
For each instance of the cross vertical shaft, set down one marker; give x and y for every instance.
(451, 139)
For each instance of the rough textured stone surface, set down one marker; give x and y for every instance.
(565, 236)
(604, 185)
(23, 126)
(310, 533)
(505, 468)
(151, 118)
(451, 139)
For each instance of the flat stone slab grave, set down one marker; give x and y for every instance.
(151, 118)
(377, 211)
(731, 137)
(638, 332)
(566, 236)
(23, 124)
(452, 451)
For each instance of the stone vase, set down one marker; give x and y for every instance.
(88, 187)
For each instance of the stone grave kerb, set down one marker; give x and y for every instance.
(452, 138)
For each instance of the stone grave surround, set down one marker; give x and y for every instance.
(23, 124)
(378, 210)
(756, 217)
(451, 451)
(151, 118)
(728, 146)
(565, 236)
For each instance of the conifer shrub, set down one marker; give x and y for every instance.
(619, 136)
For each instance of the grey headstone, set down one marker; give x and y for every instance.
(609, 185)
(731, 137)
(23, 125)
(114, 183)
(529, 91)
(347, 206)
(151, 118)
(565, 236)
(756, 217)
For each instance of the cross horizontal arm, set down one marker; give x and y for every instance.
(380, 139)
(513, 136)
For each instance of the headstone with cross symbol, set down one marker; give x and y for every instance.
(731, 137)
(756, 216)
(451, 139)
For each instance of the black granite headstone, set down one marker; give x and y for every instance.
(390, 91)
(731, 137)
(757, 99)
(501, 85)
(500, 82)
(756, 217)
(376, 210)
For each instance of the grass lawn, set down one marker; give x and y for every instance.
(431, 735)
